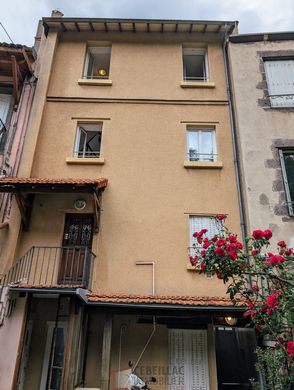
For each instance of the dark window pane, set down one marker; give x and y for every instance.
(194, 67)
(289, 166)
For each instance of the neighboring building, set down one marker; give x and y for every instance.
(128, 152)
(17, 86)
(262, 73)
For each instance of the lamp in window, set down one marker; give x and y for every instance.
(102, 72)
(231, 321)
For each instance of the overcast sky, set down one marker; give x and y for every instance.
(20, 17)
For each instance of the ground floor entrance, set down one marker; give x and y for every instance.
(69, 345)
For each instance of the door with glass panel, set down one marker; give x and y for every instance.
(77, 238)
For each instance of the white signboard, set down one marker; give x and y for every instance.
(188, 360)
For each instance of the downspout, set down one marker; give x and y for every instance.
(234, 140)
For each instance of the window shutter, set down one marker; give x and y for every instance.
(280, 80)
(197, 223)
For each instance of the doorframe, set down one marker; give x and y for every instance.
(47, 352)
(25, 355)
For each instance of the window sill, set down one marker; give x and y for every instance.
(197, 84)
(105, 82)
(203, 164)
(85, 160)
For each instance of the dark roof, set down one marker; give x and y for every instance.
(15, 46)
(138, 25)
(258, 37)
(15, 184)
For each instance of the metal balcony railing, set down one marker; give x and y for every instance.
(193, 155)
(52, 267)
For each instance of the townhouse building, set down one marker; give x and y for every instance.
(262, 74)
(128, 152)
(17, 86)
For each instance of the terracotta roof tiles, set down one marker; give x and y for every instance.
(162, 300)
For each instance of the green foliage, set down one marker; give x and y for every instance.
(262, 281)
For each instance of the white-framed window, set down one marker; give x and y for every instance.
(88, 140)
(97, 64)
(280, 81)
(195, 64)
(287, 163)
(201, 144)
(196, 223)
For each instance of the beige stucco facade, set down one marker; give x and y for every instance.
(150, 195)
(262, 131)
(144, 108)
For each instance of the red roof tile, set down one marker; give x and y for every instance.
(162, 300)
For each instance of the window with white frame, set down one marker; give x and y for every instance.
(201, 144)
(280, 81)
(202, 222)
(195, 64)
(287, 163)
(97, 63)
(88, 140)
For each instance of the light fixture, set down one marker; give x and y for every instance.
(231, 321)
(80, 204)
(102, 72)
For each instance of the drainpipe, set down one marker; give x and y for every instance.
(234, 141)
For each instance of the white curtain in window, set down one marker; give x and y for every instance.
(280, 80)
(198, 222)
(188, 360)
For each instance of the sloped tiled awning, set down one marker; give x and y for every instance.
(25, 188)
(168, 301)
(34, 185)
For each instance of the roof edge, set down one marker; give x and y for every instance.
(130, 20)
(260, 37)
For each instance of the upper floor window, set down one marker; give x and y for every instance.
(201, 144)
(202, 222)
(88, 140)
(195, 64)
(280, 81)
(287, 162)
(97, 63)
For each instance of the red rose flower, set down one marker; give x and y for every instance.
(254, 252)
(206, 244)
(192, 261)
(233, 255)
(214, 239)
(255, 288)
(232, 238)
(203, 252)
(239, 245)
(203, 231)
(221, 242)
(199, 239)
(290, 348)
(267, 234)
(202, 266)
(258, 234)
(272, 300)
(220, 217)
(219, 252)
(289, 252)
(282, 244)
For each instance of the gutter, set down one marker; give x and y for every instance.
(234, 140)
(167, 307)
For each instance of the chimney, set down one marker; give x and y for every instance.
(56, 13)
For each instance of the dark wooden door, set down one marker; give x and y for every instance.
(235, 357)
(77, 237)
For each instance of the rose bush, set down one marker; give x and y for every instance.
(264, 282)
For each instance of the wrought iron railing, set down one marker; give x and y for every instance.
(193, 155)
(3, 134)
(53, 267)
